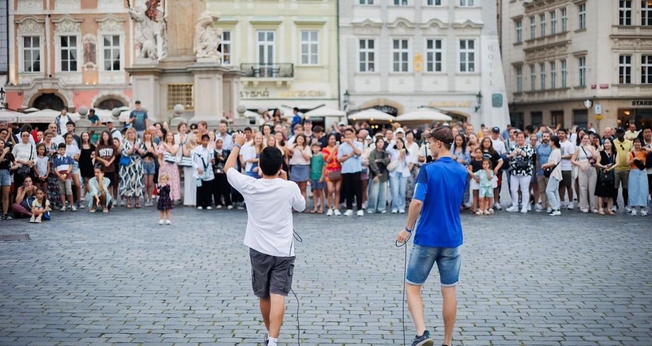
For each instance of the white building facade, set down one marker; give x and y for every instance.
(399, 55)
(560, 53)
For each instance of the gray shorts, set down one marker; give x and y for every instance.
(567, 178)
(270, 274)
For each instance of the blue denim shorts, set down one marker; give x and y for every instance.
(422, 259)
(149, 168)
(5, 177)
(316, 185)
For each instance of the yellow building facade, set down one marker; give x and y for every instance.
(287, 49)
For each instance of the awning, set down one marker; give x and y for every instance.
(423, 115)
(43, 116)
(7, 115)
(325, 112)
(371, 114)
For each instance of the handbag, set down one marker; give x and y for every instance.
(125, 160)
(548, 171)
(521, 163)
(606, 176)
(335, 176)
(26, 170)
(169, 158)
(185, 161)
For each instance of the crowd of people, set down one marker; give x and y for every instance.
(346, 168)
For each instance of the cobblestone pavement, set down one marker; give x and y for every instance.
(122, 279)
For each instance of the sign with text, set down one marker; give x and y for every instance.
(641, 103)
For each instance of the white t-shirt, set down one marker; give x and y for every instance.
(269, 212)
(62, 123)
(499, 146)
(567, 148)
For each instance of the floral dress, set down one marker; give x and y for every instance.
(131, 175)
(172, 170)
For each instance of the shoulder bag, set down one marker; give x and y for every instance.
(607, 176)
(548, 171)
(26, 170)
(335, 176)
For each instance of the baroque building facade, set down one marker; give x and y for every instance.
(399, 55)
(561, 53)
(68, 53)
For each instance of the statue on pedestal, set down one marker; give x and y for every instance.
(150, 35)
(207, 38)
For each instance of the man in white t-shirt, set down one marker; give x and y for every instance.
(115, 133)
(270, 231)
(567, 151)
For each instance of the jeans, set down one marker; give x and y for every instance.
(398, 185)
(377, 199)
(352, 187)
(516, 182)
(552, 192)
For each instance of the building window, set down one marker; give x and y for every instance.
(533, 78)
(542, 75)
(433, 55)
(553, 22)
(533, 28)
(111, 52)
(537, 118)
(31, 54)
(182, 93)
(366, 2)
(646, 13)
(625, 12)
(434, 2)
(581, 16)
(564, 73)
(467, 56)
(625, 69)
(519, 79)
(542, 24)
(367, 53)
(467, 3)
(68, 53)
(581, 66)
(564, 20)
(400, 55)
(400, 2)
(310, 47)
(226, 47)
(580, 117)
(646, 69)
(553, 75)
(519, 31)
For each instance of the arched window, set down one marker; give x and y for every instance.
(109, 104)
(48, 101)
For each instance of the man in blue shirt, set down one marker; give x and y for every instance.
(543, 151)
(138, 120)
(296, 119)
(349, 155)
(94, 118)
(438, 235)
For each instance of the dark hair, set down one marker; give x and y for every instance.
(61, 145)
(26, 127)
(247, 129)
(463, 142)
(305, 140)
(318, 129)
(349, 129)
(613, 146)
(529, 128)
(193, 126)
(70, 122)
(378, 139)
(402, 141)
(205, 137)
(295, 109)
(555, 141)
(270, 159)
(491, 149)
(99, 166)
(81, 137)
(562, 130)
(41, 145)
(488, 160)
(101, 141)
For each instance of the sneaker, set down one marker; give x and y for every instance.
(369, 211)
(122, 203)
(628, 209)
(524, 210)
(491, 211)
(160, 222)
(329, 212)
(479, 212)
(423, 340)
(81, 205)
(219, 206)
(571, 206)
(8, 217)
(229, 207)
(266, 340)
(512, 209)
(394, 211)
(614, 208)
(401, 211)
(549, 210)
(594, 211)
(336, 212)
(644, 212)
(538, 207)
(497, 206)
(529, 207)
(62, 209)
(31, 220)
(554, 213)
(38, 220)
(360, 212)
(633, 212)
(383, 211)
(209, 208)
(584, 210)
(73, 208)
(348, 212)
(487, 212)
(167, 222)
(200, 208)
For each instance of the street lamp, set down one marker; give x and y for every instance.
(347, 100)
(2, 98)
(478, 98)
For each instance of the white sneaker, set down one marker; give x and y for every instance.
(370, 211)
(229, 207)
(348, 212)
(613, 208)
(336, 212)
(209, 208)
(497, 206)
(219, 206)
(571, 206)
(32, 220)
(524, 210)
(200, 208)
(512, 209)
(554, 213)
(329, 212)
(160, 222)
(644, 212)
(401, 211)
(394, 211)
(529, 207)
(549, 210)
(538, 207)
(167, 222)
(73, 208)
(584, 210)
(62, 209)
(628, 209)
(383, 211)
(360, 212)
(37, 220)
(633, 212)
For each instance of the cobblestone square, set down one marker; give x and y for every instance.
(94, 279)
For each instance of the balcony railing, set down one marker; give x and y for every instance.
(256, 70)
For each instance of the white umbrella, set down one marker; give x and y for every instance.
(8, 115)
(424, 115)
(43, 116)
(325, 112)
(371, 114)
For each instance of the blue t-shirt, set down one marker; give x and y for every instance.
(543, 153)
(440, 186)
(353, 164)
(93, 119)
(139, 124)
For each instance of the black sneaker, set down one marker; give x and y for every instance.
(423, 340)
(8, 217)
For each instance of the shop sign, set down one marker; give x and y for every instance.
(442, 104)
(641, 103)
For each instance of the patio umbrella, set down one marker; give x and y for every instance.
(325, 112)
(423, 115)
(371, 114)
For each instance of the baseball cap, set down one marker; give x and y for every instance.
(495, 129)
(109, 121)
(620, 129)
(342, 123)
(400, 130)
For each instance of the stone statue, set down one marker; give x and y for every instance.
(150, 36)
(207, 38)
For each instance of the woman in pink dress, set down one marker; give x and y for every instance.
(167, 153)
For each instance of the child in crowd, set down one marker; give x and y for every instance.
(317, 176)
(164, 203)
(483, 178)
(40, 207)
(475, 166)
(62, 165)
(42, 168)
(99, 191)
